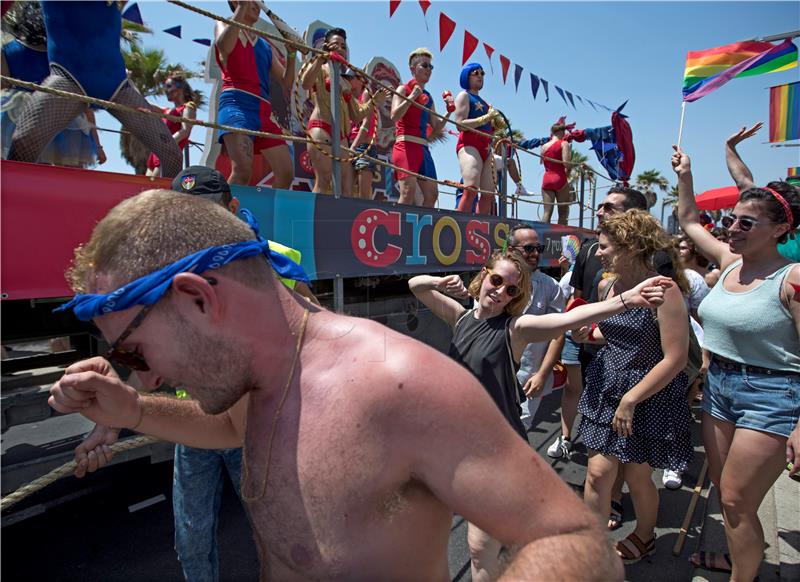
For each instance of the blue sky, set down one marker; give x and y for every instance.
(608, 52)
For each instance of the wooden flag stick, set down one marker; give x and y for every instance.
(680, 129)
(676, 550)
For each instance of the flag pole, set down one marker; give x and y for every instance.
(680, 129)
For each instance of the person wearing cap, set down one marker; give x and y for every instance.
(198, 474)
(474, 149)
(359, 443)
(316, 80)
(751, 327)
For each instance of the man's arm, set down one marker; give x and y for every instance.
(227, 35)
(736, 167)
(284, 74)
(92, 388)
(466, 453)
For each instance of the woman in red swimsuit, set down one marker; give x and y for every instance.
(182, 97)
(555, 187)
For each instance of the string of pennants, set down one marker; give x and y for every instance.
(447, 27)
(132, 14)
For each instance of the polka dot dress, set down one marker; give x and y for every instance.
(662, 423)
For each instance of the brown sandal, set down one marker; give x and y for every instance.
(632, 548)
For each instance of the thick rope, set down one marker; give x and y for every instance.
(66, 470)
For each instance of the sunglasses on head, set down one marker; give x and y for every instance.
(529, 249)
(497, 281)
(426, 66)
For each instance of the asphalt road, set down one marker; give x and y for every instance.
(97, 538)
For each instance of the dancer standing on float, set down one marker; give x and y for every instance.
(411, 132)
(474, 149)
(247, 61)
(84, 55)
(180, 93)
(556, 155)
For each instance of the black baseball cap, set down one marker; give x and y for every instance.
(202, 181)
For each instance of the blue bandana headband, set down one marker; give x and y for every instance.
(466, 72)
(149, 289)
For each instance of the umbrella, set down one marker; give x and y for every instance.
(718, 198)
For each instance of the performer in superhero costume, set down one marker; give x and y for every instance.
(555, 187)
(84, 57)
(474, 149)
(411, 131)
(247, 61)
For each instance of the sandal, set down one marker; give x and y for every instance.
(707, 561)
(617, 515)
(632, 548)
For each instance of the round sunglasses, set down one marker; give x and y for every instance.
(497, 281)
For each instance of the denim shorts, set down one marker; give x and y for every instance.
(763, 402)
(363, 163)
(569, 353)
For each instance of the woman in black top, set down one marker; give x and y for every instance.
(490, 338)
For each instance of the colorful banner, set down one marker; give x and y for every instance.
(784, 112)
(793, 172)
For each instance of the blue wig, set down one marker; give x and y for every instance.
(466, 72)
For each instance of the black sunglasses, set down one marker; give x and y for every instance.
(426, 66)
(134, 360)
(478, 72)
(529, 248)
(726, 221)
(607, 207)
(498, 281)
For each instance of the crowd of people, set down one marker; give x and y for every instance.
(629, 335)
(40, 126)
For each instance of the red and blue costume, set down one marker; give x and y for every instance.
(244, 100)
(410, 150)
(477, 108)
(555, 173)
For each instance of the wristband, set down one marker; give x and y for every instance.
(623, 302)
(591, 333)
(291, 54)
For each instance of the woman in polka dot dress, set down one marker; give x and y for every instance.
(634, 406)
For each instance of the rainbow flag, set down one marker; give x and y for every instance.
(784, 112)
(793, 172)
(710, 69)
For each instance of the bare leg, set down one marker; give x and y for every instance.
(365, 184)
(569, 399)
(44, 117)
(487, 185)
(322, 164)
(484, 552)
(616, 490)
(645, 497)
(549, 198)
(600, 475)
(430, 193)
(152, 132)
(408, 188)
(562, 196)
(469, 160)
(280, 160)
(240, 152)
(755, 460)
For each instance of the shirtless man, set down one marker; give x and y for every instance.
(473, 149)
(411, 142)
(373, 499)
(247, 61)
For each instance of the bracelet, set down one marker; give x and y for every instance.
(621, 298)
(291, 54)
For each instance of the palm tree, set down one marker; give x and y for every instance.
(648, 181)
(148, 68)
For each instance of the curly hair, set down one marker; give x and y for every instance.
(775, 209)
(517, 305)
(638, 235)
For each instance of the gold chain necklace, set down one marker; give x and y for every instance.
(275, 418)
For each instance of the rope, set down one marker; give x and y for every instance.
(66, 470)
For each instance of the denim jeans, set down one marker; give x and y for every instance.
(196, 496)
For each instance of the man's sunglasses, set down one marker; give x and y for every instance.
(606, 207)
(529, 249)
(133, 360)
(497, 281)
(426, 66)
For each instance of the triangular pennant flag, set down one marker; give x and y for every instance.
(424, 4)
(203, 41)
(132, 14)
(592, 104)
(393, 5)
(470, 44)
(571, 100)
(174, 31)
(517, 75)
(534, 85)
(489, 52)
(579, 99)
(504, 64)
(446, 29)
(561, 92)
(546, 90)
